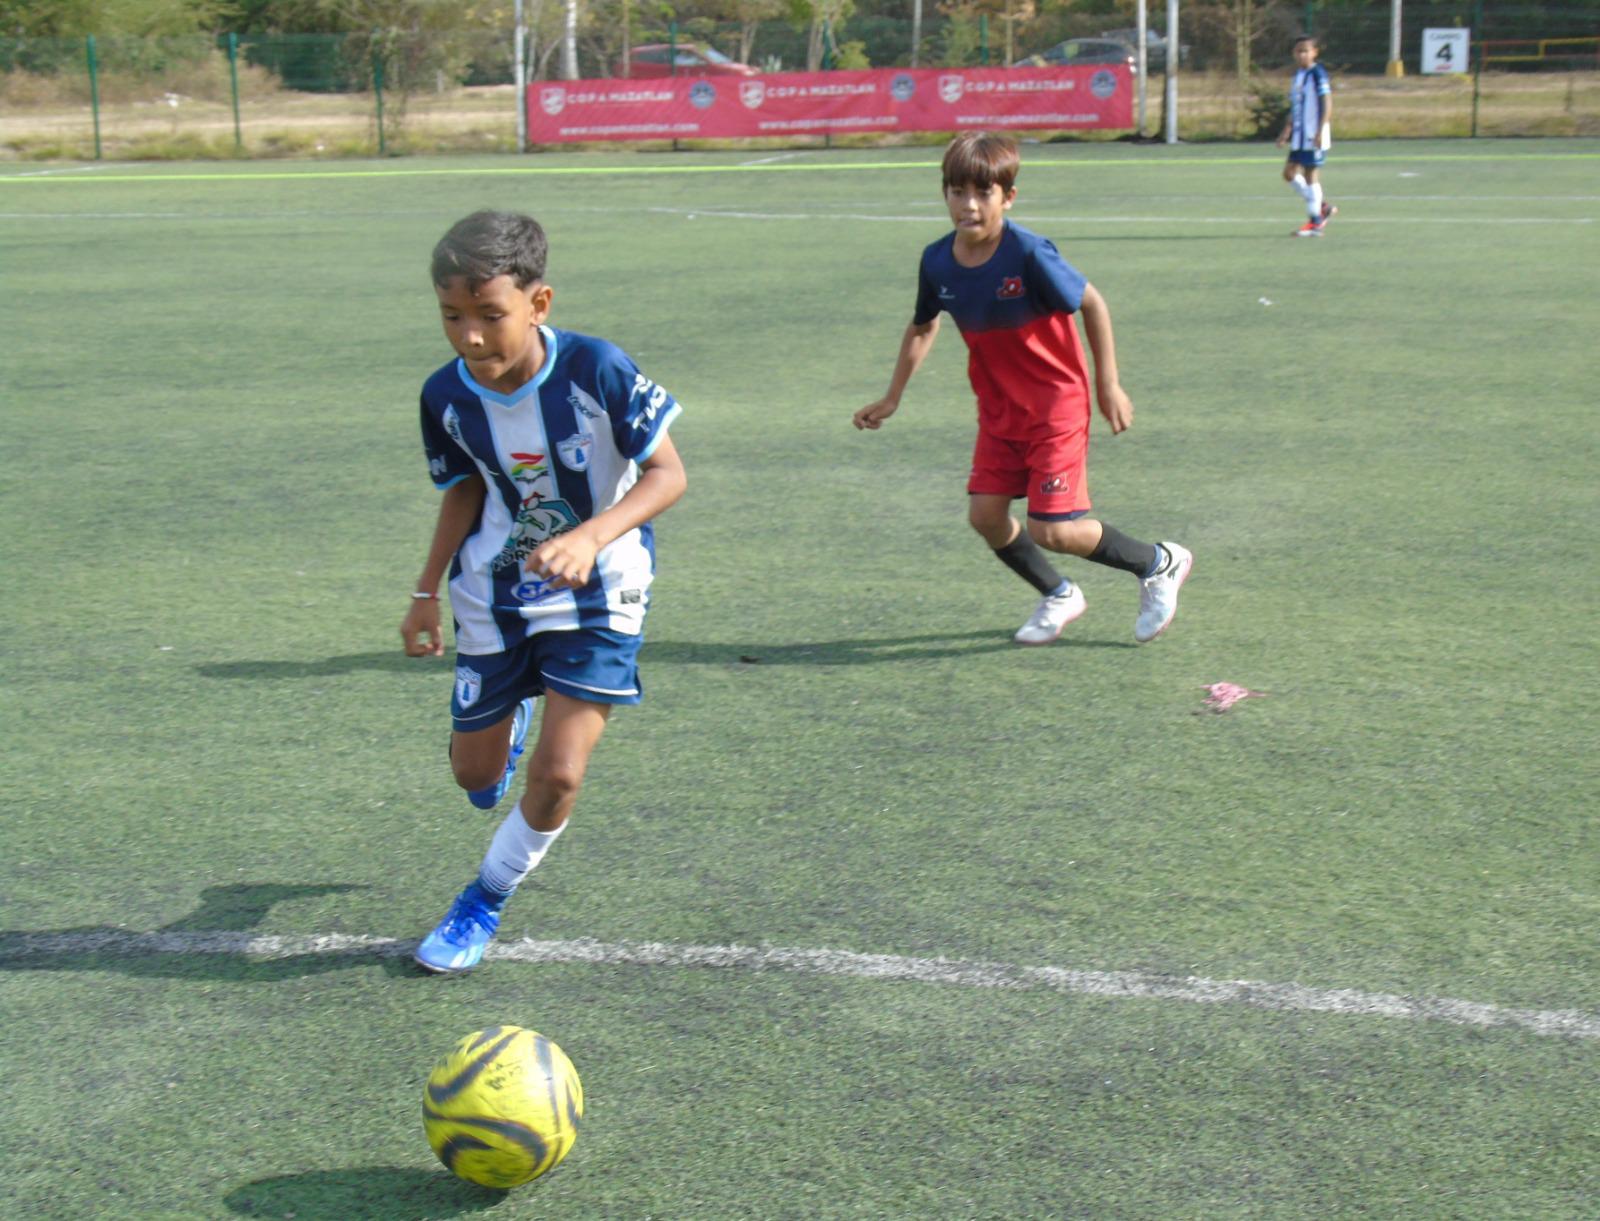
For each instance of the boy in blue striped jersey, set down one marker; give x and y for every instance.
(1308, 133)
(551, 450)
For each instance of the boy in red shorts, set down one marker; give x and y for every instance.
(1013, 296)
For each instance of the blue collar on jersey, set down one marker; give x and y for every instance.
(522, 391)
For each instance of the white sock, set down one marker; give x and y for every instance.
(514, 851)
(1314, 200)
(1301, 188)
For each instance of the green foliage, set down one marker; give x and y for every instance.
(961, 43)
(1269, 110)
(76, 18)
(852, 55)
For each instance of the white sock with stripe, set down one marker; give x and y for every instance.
(1314, 200)
(514, 851)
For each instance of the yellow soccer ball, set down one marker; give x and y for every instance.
(503, 1107)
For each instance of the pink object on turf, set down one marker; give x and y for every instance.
(1222, 696)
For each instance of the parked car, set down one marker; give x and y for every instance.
(1155, 46)
(1082, 51)
(657, 59)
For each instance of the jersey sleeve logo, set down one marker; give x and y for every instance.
(1010, 287)
(654, 396)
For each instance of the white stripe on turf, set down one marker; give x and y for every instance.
(1283, 998)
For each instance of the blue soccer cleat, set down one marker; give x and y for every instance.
(487, 799)
(458, 943)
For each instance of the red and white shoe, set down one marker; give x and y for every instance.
(1312, 228)
(1329, 211)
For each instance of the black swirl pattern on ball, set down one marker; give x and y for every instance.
(442, 1093)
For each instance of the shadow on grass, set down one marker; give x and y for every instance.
(853, 651)
(346, 663)
(213, 942)
(362, 1191)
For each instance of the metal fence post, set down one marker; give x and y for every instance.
(672, 48)
(377, 91)
(233, 75)
(983, 37)
(94, 92)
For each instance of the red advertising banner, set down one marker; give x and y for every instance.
(820, 103)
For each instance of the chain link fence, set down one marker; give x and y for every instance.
(1536, 72)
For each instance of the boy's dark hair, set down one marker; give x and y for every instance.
(981, 159)
(489, 244)
(1311, 38)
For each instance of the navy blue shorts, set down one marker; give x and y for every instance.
(594, 664)
(1311, 158)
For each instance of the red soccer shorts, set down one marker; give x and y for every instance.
(1049, 471)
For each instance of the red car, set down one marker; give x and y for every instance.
(656, 59)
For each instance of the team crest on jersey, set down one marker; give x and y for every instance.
(1010, 287)
(469, 686)
(575, 451)
(1055, 485)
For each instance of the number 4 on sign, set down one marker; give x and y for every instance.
(1446, 50)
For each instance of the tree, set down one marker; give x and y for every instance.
(822, 18)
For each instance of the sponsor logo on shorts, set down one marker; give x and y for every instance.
(1056, 485)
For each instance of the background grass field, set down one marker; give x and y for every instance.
(1380, 446)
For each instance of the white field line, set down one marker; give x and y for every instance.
(1252, 994)
(929, 218)
(1034, 218)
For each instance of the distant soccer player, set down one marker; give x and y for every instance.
(552, 452)
(1309, 135)
(1012, 296)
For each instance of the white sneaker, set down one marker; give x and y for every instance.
(1158, 594)
(1051, 615)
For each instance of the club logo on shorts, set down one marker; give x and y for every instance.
(469, 685)
(1010, 287)
(574, 452)
(1056, 485)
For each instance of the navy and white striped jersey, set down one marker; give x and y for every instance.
(1306, 131)
(562, 449)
